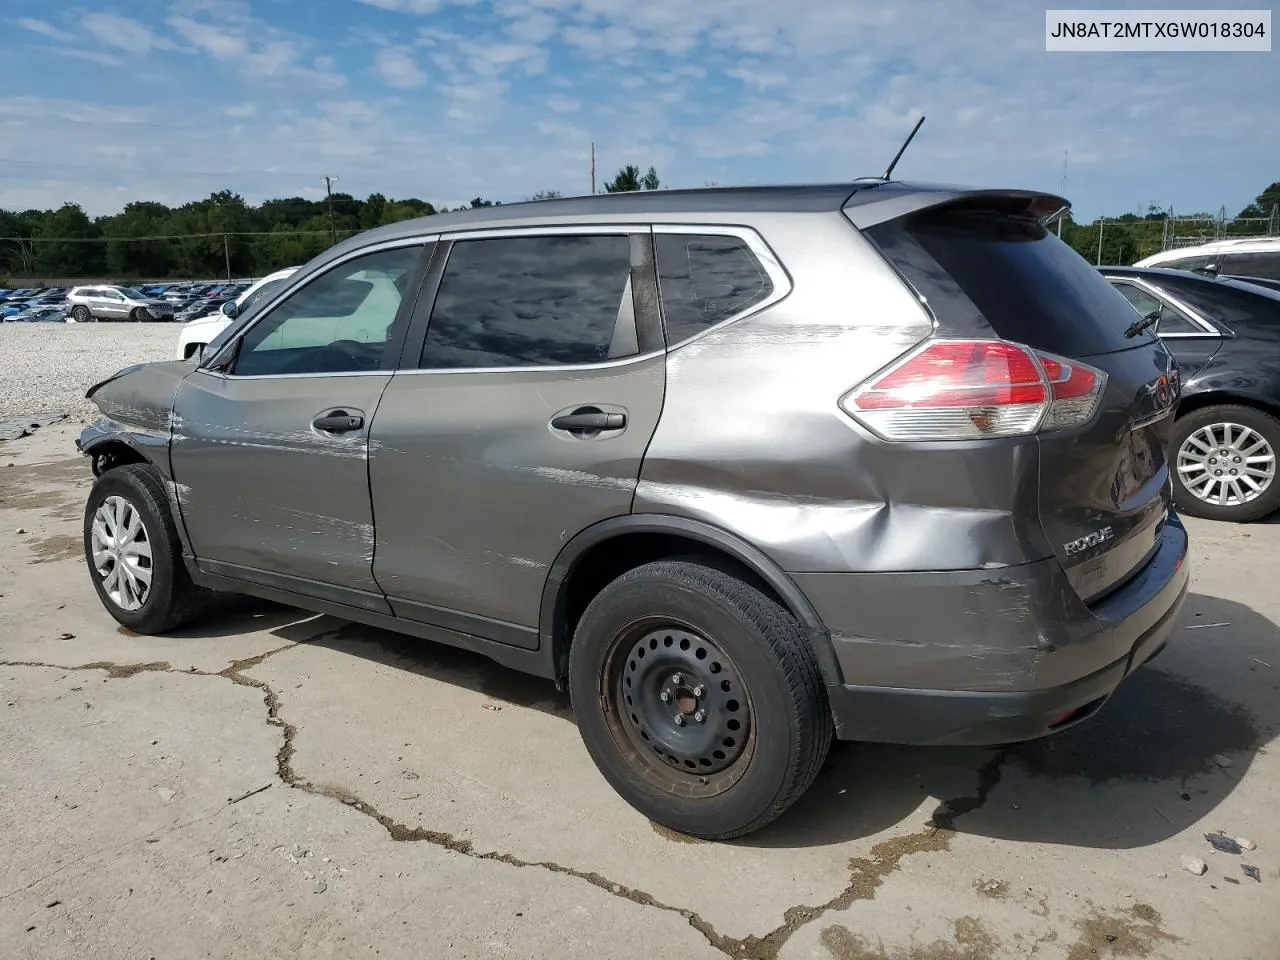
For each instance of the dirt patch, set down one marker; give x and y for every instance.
(991, 889)
(53, 487)
(672, 835)
(972, 942)
(63, 546)
(1130, 933)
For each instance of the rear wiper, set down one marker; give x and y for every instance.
(1138, 326)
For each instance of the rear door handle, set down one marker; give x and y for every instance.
(594, 420)
(338, 421)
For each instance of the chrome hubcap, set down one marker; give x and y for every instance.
(1226, 464)
(121, 551)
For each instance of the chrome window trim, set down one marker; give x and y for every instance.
(782, 285)
(297, 282)
(612, 228)
(1161, 294)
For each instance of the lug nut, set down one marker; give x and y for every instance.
(675, 680)
(700, 715)
(679, 719)
(664, 696)
(698, 690)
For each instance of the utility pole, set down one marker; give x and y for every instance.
(593, 167)
(1102, 223)
(226, 252)
(328, 190)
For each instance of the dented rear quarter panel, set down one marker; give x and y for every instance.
(752, 438)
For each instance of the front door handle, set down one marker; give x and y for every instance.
(589, 420)
(339, 421)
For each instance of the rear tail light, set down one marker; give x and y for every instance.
(971, 389)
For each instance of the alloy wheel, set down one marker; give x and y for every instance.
(1226, 464)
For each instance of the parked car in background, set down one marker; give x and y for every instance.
(1225, 335)
(1249, 257)
(198, 333)
(41, 314)
(116, 303)
(741, 468)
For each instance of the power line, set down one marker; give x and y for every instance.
(173, 236)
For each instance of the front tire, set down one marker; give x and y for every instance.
(698, 698)
(1224, 463)
(133, 553)
(138, 315)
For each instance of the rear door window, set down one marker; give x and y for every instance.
(533, 301)
(1029, 286)
(1260, 264)
(1172, 320)
(705, 280)
(1189, 264)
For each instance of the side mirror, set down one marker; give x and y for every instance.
(230, 309)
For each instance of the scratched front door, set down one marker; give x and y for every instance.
(270, 446)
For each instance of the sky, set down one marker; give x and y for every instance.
(104, 102)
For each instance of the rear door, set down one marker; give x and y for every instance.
(111, 304)
(530, 387)
(987, 264)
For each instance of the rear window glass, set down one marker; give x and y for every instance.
(705, 280)
(1260, 264)
(1029, 286)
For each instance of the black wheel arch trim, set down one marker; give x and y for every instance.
(551, 617)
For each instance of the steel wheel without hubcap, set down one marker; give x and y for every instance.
(1226, 464)
(121, 549)
(680, 701)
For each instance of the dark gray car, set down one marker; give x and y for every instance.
(743, 469)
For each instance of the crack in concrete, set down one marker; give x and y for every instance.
(867, 874)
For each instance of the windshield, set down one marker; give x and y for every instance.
(261, 293)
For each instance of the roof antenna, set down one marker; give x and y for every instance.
(902, 149)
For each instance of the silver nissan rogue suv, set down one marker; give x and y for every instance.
(743, 469)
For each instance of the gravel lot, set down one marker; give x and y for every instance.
(48, 366)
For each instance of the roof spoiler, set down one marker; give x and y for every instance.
(873, 202)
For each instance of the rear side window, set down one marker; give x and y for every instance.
(1028, 285)
(531, 302)
(705, 280)
(1260, 264)
(1172, 320)
(1189, 264)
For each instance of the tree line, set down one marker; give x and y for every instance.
(225, 235)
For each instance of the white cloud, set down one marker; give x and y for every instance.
(217, 42)
(564, 104)
(398, 68)
(124, 33)
(42, 27)
(241, 110)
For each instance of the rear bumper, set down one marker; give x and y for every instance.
(981, 659)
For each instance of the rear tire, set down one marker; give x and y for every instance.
(81, 313)
(1216, 440)
(676, 638)
(134, 556)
